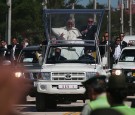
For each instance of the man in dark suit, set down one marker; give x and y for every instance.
(87, 56)
(123, 43)
(57, 56)
(88, 31)
(16, 48)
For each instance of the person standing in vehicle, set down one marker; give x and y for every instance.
(96, 93)
(117, 93)
(88, 31)
(69, 32)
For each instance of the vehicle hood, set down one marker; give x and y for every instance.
(124, 65)
(30, 67)
(70, 67)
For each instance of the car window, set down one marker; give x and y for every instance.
(71, 54)
(30, 56)
(127, 56)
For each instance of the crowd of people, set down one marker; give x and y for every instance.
(87, 32)
(11, 52)
(114, 46)
(69, 32)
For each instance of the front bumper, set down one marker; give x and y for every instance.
(60, 87)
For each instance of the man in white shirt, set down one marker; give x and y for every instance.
(69, 32)
(117, 49)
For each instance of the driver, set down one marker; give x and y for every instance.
(57, 56)
(87, 55)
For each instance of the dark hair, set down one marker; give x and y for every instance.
(97, 83)
(117, 87)
(118, 95)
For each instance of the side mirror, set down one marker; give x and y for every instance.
(6, 62)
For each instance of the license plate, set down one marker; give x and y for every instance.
(35, 84)
(67, 86)
(134, 74)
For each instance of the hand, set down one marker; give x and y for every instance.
(84, 31)
(62, 35)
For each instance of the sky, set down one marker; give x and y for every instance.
(113, 2)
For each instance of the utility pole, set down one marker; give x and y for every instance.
(122, 24)
(44, 3)
(9, 4)
(130, 17)
(109, 30)
(95, 7)
(72, 15)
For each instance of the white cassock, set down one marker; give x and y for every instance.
(71, 34)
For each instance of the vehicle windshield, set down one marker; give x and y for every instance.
(127, 56)
(29, 56)
(72, 54)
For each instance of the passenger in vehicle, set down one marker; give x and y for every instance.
(88, 31)
(87, 55)
(57, 56)
(69, 32)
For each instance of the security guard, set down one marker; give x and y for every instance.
(116, 94)
(96, 91)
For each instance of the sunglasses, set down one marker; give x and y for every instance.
(122, 35)
(90, 21)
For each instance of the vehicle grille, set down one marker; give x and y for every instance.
(31, 75)
(74, 76)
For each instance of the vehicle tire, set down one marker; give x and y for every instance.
(41, 102)
(133, 103)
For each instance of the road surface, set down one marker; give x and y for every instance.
(62, 109)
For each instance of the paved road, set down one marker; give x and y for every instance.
(62, 109)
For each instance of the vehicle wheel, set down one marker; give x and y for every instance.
(133, 103)
(41, 102)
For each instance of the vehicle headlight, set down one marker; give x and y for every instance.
(18, 74)
(90, 74)
(44, 76)
(117, 72)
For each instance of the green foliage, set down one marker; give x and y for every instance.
(27, 20)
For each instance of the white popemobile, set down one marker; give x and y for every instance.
(60, 78)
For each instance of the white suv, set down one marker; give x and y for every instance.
(126, 64)
(60, 80)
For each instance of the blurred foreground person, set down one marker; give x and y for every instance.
(12, 89)
(105, 111)
(117, 93)
(96, 91)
